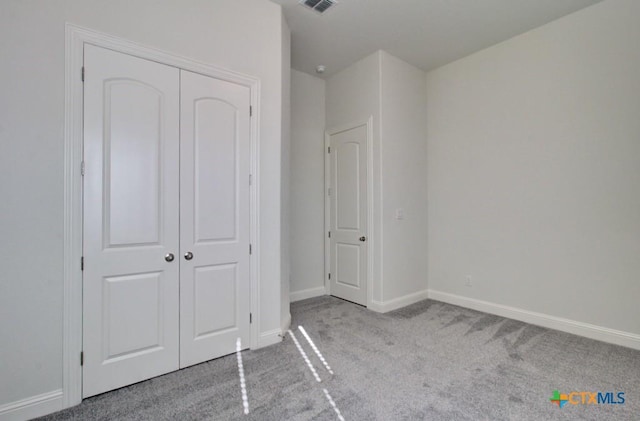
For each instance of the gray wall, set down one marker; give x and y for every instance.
(392, 92)
(534, 170)
(307, 185)
(353, 95)
(285, 197)
(403, 160)
(244, 36)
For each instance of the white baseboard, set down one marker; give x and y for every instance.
(269, 337)
(617, 337)
(33, 407)
(306, 293)
(396, 303)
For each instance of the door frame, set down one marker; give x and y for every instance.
(368, 123)
(75, 38)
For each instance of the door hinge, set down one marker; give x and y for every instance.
(82, 263)
(81, 358)
(250, 318)
(82, 168)
(82, 74)
(250, 249)
(329, 149)
(329, 191)
(250, 179)
(250, 111)
(329, 234)
(329, 276)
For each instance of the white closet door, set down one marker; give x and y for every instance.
(349, 223)
(131, 145)
(214, 218)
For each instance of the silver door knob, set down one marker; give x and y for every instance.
(169, 257)
(188, 255)
(363, 238)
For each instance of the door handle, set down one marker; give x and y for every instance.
(363, 238)
(188, 255)
(169, 257)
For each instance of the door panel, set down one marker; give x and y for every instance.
(215, 159)
(348, 188)
(132, 144)
(130, 293)
(347, 273)
(214, 312)
(144, 330)
(214, 200)
(348, 219)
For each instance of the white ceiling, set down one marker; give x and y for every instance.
(425, 33)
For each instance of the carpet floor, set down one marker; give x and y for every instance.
(427, 361)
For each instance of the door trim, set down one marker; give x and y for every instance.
(371, 237)
(75, 38)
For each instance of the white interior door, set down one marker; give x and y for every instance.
(130, 290)
(348, 219)
(214, 213)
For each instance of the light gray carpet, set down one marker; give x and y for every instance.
(428, 361)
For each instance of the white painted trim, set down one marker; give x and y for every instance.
(372, 236)
(380, 185)
(368, 123)
(396, 303)
(617, 337)
(286, 325)
(255, 210)
(306, 293)
(35, 406)
(76, 37)
(270, 337)
(72, 251)
(327, 213)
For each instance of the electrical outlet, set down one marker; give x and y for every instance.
(468, 282)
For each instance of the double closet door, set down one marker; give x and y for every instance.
(166, 280)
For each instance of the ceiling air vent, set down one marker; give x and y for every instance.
(319, 6)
